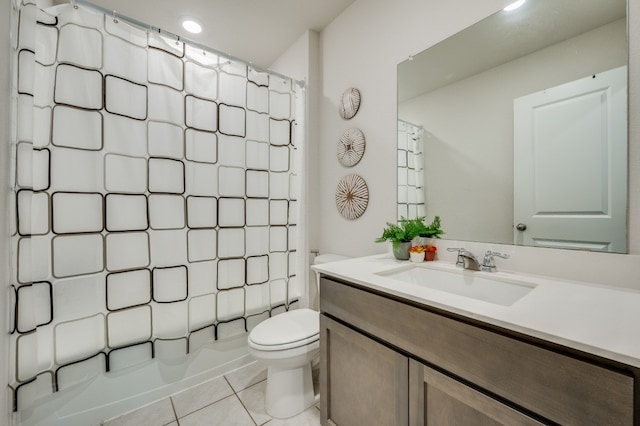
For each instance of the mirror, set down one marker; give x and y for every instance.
(514, 130)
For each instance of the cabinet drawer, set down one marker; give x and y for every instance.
(557, 387)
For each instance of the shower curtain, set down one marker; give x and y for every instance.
(411, 196)
(155, 197)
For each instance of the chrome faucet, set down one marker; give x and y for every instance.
(466, 259)
(488, 264)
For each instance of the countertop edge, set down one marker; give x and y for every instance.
(332, 270)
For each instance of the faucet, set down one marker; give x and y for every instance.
(466, 259)
(488, 264)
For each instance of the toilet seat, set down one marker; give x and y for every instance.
(287, 330)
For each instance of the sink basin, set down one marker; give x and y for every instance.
(463, 283)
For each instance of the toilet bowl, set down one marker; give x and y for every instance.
(287, 344)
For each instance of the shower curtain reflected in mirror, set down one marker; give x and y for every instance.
(155, 197)
(411, 185)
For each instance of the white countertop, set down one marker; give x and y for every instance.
(603, 321)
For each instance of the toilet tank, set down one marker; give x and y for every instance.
(318, 260)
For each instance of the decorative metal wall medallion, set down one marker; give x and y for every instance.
(352, 196)
(350, 103)
(351, 147)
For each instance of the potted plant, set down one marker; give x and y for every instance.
(430, 252)
(400, 239)
(416, 253)
(405, 230)
(423, 253)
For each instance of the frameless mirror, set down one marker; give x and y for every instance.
(514, 130)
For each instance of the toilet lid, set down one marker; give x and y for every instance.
(286, 330)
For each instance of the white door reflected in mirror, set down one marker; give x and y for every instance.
(570, 164)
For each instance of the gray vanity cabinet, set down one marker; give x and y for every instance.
(390, 361)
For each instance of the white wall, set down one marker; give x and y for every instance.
(471, 183)
(362, 48)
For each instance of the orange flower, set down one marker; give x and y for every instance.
(422, 249)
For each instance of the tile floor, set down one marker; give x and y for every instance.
(235, 399)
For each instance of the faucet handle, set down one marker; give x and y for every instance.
(459, 260)
(492, 253)
(458, 249)
(488, 264)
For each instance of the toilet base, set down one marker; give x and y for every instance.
(289, 391)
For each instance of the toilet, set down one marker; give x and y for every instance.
(287, 344)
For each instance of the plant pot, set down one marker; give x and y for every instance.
(430, 255)
(402, 252)
(417, 257)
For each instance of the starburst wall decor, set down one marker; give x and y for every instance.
(352, 196)
(351, 147)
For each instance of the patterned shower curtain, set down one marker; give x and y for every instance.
(155, 197)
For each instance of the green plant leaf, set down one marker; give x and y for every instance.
(408, 229)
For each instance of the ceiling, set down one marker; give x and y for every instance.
(257, 31)
(501, 38)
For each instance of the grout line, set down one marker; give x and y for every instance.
(208, 405)
(229, 383)
(242, 403)
(173, 407)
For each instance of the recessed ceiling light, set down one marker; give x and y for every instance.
(191, 25)
(514, 5)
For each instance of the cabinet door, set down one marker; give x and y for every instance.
(362, 382)
(436, 399)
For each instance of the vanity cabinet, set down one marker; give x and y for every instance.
(390, 361)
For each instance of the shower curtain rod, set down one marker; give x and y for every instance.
(412, 124)
(149, 27)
